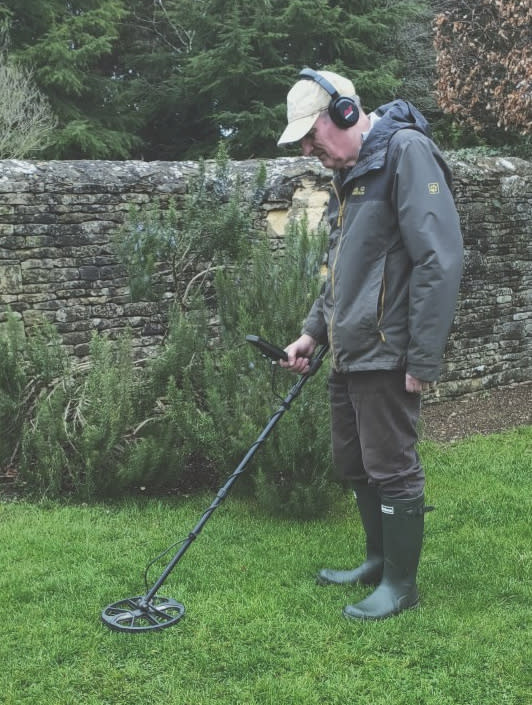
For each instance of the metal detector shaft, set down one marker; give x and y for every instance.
(151, 611)
(315, 364)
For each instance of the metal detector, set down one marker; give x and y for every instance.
(150, 611)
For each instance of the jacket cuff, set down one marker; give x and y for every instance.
(319, 335)
(426, 373)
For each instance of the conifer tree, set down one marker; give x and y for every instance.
(218, 69)
(168, 79)
(70, 48)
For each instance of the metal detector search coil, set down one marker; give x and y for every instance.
(136, 614)
(151, 611)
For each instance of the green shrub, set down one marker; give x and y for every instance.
(186, 418)
(273, 294)
(180, 247)
(213, 397)
(171, 448)
(104, 414)
(46, 465)
(30, 365)
(13, 378)
(77, 434)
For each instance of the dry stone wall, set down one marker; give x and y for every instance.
(57, 221)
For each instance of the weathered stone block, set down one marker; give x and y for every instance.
(89, 273)
(10, 277)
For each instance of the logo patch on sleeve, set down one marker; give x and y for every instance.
(359, 191)
(434, 188)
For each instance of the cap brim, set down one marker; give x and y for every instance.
(297, 129)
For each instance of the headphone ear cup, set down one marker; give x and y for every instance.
(343, 112)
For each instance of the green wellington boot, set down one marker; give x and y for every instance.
(370, 572)
(402, 530)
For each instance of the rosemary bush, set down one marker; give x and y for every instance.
(30, 365)
(182, 246)
(77, 434)
(183, 420)
(293, 468)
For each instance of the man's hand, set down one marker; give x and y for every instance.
(413, 384)
(299, 353)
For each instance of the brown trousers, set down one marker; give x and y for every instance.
(373, 429)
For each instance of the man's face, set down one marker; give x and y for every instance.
(334, 147)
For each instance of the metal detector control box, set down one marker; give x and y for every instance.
(267, 349)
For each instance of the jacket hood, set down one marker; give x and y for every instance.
(394, 116)
(398, 115)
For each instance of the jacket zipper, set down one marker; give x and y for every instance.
(381, 306)
(340, 224)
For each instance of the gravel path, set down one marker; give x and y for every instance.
(483, 412)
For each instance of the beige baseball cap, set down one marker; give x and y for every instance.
(306, 100)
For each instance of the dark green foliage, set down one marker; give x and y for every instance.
(149, 237)
(77, 434)
(294, 469)
(173, 440)
(211, 228)
(182, 352)
(104, 413)
(221, 70)
(29, 367)
(45, 467)
(13, 380)
(169, 79)
(212, 400)
(268, 301)
(71, 48)
(274, 294)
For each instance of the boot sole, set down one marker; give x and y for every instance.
(369, 618)
(323, 582)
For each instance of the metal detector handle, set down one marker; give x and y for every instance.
(315, 362)
(267, 349)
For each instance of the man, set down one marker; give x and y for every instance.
(394, 267)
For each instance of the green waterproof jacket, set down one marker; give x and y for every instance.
(395, 253)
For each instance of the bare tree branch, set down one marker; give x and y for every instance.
(26, 119)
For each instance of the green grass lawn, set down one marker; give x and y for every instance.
(258, 630)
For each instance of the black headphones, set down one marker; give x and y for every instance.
(342, 110)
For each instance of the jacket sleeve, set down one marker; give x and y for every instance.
(430, 229)
(315, 325)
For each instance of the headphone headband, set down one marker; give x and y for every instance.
(342, 110)
(311, 75)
